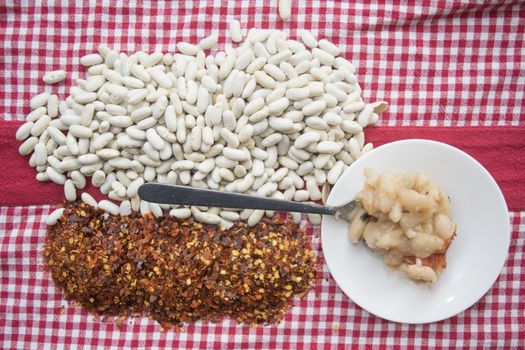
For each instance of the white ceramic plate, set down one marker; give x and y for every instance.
(475, 257)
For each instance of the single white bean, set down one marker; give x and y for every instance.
(109, 207)
(89, 200)
(255, 217)
(308, 38)
(284, 10)
(329, 47)
(54, 77)
(181, 213)
(24, 131)
(55, 176)
(335, 172)
(70, 192)
(187, 48)
(234, 154)
(314, 107)
(315, 219)
(209, 42)
(205, 217)
(53, 217)
(28, 145)
(301, 196)
(80, 131)
(39, 100)
(235, 31)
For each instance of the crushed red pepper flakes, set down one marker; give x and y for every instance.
(178, 271)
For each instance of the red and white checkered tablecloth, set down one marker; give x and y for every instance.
(438, 63)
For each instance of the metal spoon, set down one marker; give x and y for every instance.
(183, 195)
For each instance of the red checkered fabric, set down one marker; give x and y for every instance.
(33, 313)
(437, 62)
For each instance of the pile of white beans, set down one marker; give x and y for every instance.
(273, 117)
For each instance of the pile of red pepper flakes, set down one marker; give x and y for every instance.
(178, 271)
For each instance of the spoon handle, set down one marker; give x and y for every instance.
(183, 195)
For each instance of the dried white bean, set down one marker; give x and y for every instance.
(109, 207)
(209, 42)
(70, 192)
(308, 39)
(255, 217)
(235, 31)
(53, 217)
(181, 213)
(89, 200)
(39, 100)
(284, 9)
(335, 172)
(301, 195)
(54, 77)
(327, 46)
